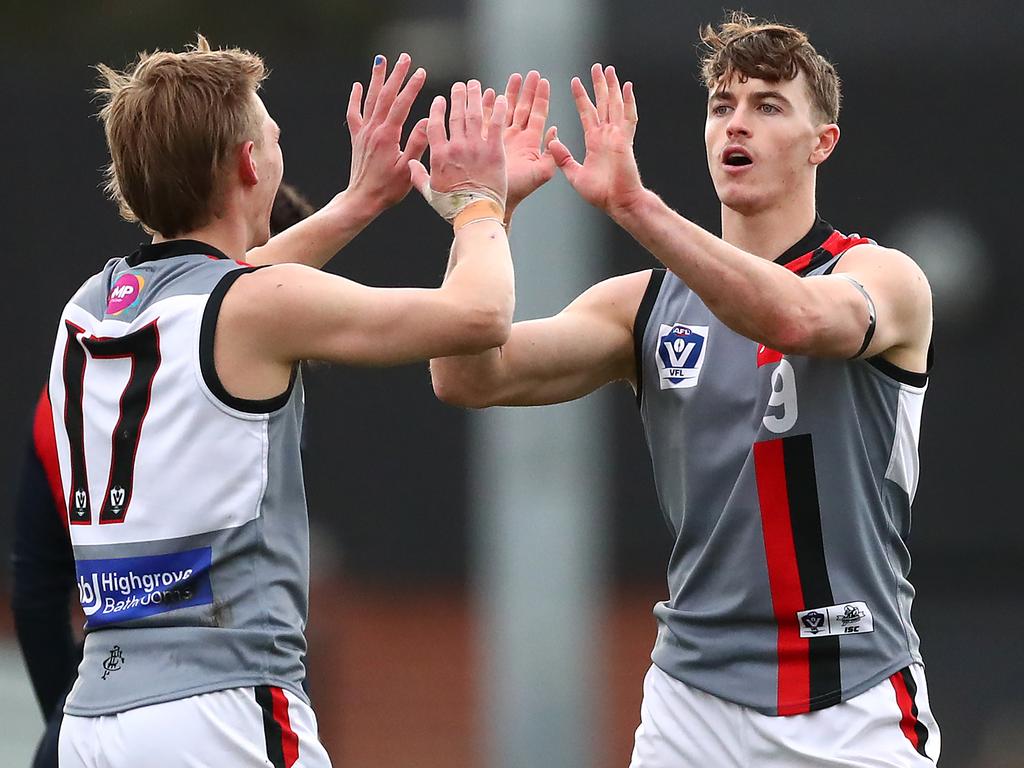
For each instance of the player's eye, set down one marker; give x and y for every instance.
(769, 109)
(719, 109)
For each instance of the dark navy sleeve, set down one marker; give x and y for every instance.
(43, 580)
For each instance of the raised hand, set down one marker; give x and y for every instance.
(470, 156)
(528, 166)
(380, 167)
(608, 178)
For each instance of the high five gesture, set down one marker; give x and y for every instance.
(380, 167)
(468, 161)
(608, 177)
(529, 166)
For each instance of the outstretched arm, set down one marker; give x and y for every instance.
(822, 316)
(276, 316)
(825, 316)
(585, 346)
(379, 176)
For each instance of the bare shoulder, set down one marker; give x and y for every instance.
(902, 298)
(617, 298)
(889, 271)
(270, 306)
(274, 276)
(275, 289)
(871, 258)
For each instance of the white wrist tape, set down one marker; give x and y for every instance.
(450, 204)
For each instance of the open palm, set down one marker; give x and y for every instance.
(380, 166)
(528, 165)
(608, 178)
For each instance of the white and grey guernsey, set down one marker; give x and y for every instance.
(787, 482)
(186, 505)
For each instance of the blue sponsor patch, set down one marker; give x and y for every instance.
(128, 588)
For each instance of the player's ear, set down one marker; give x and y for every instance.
(247, 170)
(828, 137)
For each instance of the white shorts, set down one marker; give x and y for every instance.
(889, 725)
(260, 727)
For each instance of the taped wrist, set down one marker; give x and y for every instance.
(481, 210)
(451, 204)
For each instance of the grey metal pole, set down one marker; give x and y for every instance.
(538, 476)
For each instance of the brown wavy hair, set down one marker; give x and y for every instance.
(172, 121)
(745, 47)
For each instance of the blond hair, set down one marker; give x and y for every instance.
(172, 121)
(744, 47)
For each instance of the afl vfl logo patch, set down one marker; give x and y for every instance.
(845, 619)
(680, 355)
(125, 292)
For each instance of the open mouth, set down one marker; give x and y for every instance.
(737, 158)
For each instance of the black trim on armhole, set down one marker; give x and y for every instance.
(832, 267)
(902, 375)
(206, 363)
(643, 315)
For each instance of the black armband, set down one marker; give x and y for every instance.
(872, 315)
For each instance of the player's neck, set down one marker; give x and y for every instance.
(769, 232)
(228, 235)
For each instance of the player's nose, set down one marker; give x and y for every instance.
(738, 124)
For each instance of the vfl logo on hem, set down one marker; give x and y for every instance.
(116, 500)
(81, 502)
(680, 354)
(844, 619)
(129, 588)
(113, 662)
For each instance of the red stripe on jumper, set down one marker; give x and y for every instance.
(766, 355)
(799, 264)
(838, 243)
(794, 673)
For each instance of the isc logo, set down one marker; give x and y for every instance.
(680, 354)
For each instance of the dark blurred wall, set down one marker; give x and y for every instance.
(930, 126)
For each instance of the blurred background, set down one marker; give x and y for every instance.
(483, 583)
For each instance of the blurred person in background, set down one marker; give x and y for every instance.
(43, 562)
(780, 372)
(176, 397)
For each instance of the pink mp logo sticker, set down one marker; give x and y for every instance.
(125, 292)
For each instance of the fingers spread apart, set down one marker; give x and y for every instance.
(388, 91)
(457, 115)
(497, 120)
(615, 108)
(524, 106)
(600, 92)
(474, 109)
(541, 105)
(585, 107)
(436, 134)
(387, 101)
(512, 89)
